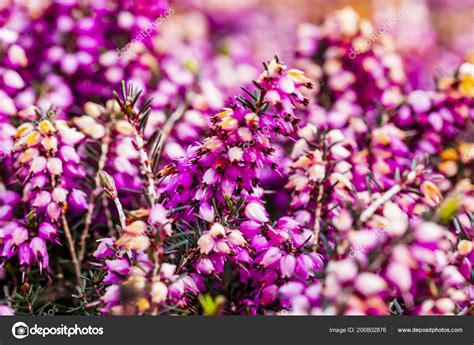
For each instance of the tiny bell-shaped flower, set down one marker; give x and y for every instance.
(256, 212)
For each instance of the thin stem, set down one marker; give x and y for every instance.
(108, 216)
(90, 208)
(156, 259)
(75, 262)
(379, 202)
(118, 205)
(146, 167)
(317, 217)
(130, 95)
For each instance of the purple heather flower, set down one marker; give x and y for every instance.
(48, 231)
(119, 266)
(271, 256)
(104, 249)
(25, 254)
(287, 266)
(6, 310)
(40, 253)
(78, 199)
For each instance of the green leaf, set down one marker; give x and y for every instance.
(211, 306)
(448, 209)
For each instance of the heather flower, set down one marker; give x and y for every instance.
(439, 116)
(47, 179)
(6, 310)
(225, 169)
(247, 136)
(384, 280)
(337, 188)
(359, 78)
(390, 285)
(135, 265)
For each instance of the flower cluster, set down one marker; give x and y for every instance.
(418, 264)
(439, 115)
(48, 167)
(350, 85)
(137, 280)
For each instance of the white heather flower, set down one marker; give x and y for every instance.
(308, 132)
(317, 172)
(167, 270)
(229, 123)
(235, 154)
(59, 194)
(159, 292)
(343, 221)
(397, 220)
(465, 247)
(38, 164)
(429, 232)
(400, 276)
(256, 211)
(446, 305)
(206, 212)
(55, 166)
(236, 238)
(432, 194)
(271, 256)
(370, 284)
(217, 231)
(346, 270)
(222, 247)
(205, 243)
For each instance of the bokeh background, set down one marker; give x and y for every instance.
(438, 32)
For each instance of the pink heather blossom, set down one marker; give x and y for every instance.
(6, 310)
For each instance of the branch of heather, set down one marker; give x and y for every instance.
(138, 119)
(110, 190)
(90, 207)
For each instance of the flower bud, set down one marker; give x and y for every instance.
(108, 184)
(38, 164)
(236, 238)
(59, 194)
(20, 235)
(46, 127)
